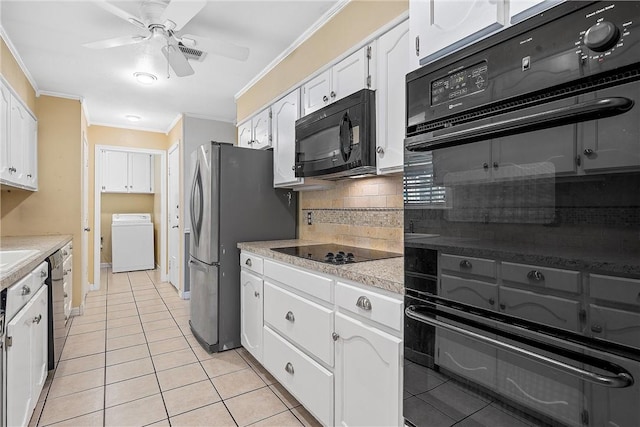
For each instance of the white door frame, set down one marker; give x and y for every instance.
(176, 147)
(85, 283)
(97, 207)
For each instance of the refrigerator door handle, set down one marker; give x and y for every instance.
(196, 205)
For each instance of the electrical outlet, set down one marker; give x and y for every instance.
(309, 218)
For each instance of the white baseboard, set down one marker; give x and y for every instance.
(94, 287)
(75, 311)
(105, 264)
(185, 295)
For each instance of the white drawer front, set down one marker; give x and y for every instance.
(251, 262)
(304, 322)
(67, 250)
(469, 265)
(67, 268)
(310, 283)
(307, 381)
(370, 304)
(40, 274)
(18, 295)
(615, 289)
(543, 277)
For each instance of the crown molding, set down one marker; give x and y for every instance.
(18, 59)
(121, 126)
(60, 95)
(173, 123)
(206, 117)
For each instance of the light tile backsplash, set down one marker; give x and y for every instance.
(364, 212)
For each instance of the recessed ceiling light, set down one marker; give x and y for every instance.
(132, 118)
(145, 78)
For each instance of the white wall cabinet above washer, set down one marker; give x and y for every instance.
(439, 27)
(256, 132)
(126, 172)
(344, 78)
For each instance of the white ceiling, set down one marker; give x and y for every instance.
(48, 36)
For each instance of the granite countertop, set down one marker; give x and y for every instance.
(386, 274)
(45, 245)
(593, 259)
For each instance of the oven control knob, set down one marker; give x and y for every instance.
(601, 36)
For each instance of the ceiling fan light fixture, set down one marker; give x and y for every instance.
(145, 78)
(132, 118)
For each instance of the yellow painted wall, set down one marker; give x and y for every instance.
(112, 203)
(352, 25)
(11, 71)
(55, 207)
(103, 135)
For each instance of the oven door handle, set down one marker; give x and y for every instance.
(617, 380)
(589, 110)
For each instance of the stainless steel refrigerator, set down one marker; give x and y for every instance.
(232, 200)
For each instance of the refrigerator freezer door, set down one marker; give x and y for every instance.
(204, 303)
(204, 204)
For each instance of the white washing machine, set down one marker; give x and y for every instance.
(131, 242)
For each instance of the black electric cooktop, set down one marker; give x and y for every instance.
(336, 254)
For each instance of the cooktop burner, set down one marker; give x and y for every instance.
(336, 254)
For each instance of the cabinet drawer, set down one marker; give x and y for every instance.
(39, 274)
(311, 283)
(67, 250)
(476, 266)
(18, 295)
(546, 309)
(306, 380)
(615, 289)
(468, 291)
(67, 268)
(550, 278)
(615, 325)
(380, 308)
(306, 323)
(251, 262)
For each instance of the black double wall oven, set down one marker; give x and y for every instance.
(522, 225)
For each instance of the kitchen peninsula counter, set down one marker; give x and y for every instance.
(385, 274)
(45, 245)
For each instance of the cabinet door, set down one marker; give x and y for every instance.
(349, 75)
(251, 313)
(462, 164)
(114, 171)
(443, 26)
(5, 118)
(244, 134)
(392, 67)
(31, 154)
(315, 93)
(612, 143)
(39, 338)
(18, 134)
(621, 326)
(283, 124)
(23, 358)
(261, 125)
(468, 291)
(140, 173)
(546, 309)
(367, 372)
(519, 10)
(67, 275)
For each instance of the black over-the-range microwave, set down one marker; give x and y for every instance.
(338, 140)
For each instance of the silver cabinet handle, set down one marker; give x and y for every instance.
(325, 99)
(293, 167)
(417, 45)
(535, 275)
(289, 368)
(492, 301)
(25, 290)
(256, 294)
(465, 264)
(87, 229)
(37, 319)
(619, 379)
(596, 328)
(43, 274)
(588, 151)
(335, 336)
(248, 262)
(65, 253)
(333, 94)
(66, 295)
(364, 303)
(380, 150)
(290, 317)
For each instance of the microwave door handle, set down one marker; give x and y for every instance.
(346, 136)
(620, 379)
(589, 110)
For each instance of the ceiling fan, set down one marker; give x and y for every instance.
(162, 20)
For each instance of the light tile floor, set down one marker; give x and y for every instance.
(131, 360)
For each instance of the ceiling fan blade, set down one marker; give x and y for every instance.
(216, 47)
(177, 60)
(115, 42)
(103, 4)
(179, 12)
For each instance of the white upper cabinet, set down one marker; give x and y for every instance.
(18, 142)
(519, 10)
(256, 132)
(126, 172)
(344, 78)
(392, 67)
(439, 27)
(285, 112)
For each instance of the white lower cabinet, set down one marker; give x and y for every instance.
(368, 382)
(335, 346)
